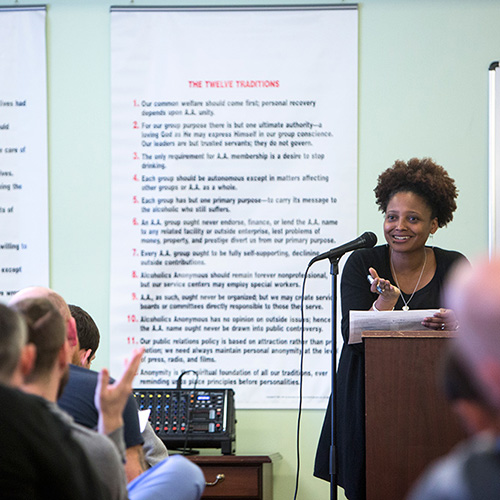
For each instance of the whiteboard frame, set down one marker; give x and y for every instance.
(494, 143)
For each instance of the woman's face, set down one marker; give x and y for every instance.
(408, 222)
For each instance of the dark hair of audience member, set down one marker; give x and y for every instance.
(87, 331)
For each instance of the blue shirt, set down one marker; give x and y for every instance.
(78, 400)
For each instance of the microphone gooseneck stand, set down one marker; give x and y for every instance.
(334, 271)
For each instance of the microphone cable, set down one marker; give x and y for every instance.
(301, 376)
(184, 449)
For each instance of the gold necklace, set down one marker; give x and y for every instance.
(406, 307)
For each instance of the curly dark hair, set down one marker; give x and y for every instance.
(423, 177)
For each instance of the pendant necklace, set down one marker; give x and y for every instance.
(406, 307)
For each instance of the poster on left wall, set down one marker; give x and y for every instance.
(24, 237)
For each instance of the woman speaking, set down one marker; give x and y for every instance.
(416, 199)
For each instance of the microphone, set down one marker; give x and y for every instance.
(366, 240)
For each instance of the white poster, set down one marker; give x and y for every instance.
(234, 140)
(24, 256)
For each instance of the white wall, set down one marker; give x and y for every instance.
(423, 91)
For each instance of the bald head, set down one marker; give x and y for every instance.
(56, 300)
(474, 294)
(39, 292)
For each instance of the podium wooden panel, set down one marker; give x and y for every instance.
(408, 421)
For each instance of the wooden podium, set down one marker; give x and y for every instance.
(408, 421)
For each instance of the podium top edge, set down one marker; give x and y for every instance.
(419, 334)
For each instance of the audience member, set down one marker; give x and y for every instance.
(78, 396)
(175, 478)
(38, 458)
(464, 394)
(455, 476)
(88, 342)
(47, 332)
(472, 470)
(88, 337)
(477, 295)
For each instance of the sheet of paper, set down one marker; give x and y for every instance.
(361, 321)
(143, 418)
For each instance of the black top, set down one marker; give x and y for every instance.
(38, 457)
(350, 418)
(78, 400)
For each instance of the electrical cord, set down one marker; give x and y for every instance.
(299, 414)
(188, 410)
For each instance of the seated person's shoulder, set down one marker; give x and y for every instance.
(79, 375)
(77, 398)
(57, 467)
(19, 405)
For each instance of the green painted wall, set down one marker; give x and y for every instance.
(423, 91)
